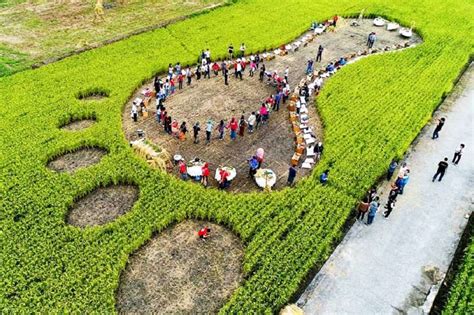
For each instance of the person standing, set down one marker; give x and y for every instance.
(196, 129)
(438, 128)
(362, 208)
(242, 50)
(225, 73)
(238, 70)
(233, 125)
(373, 208)
(442, 166)
(262, 72)
(458, 154)
(209, 126)
(318, 149)
(253, 166)
(251, 121)
(182, 131)
(258, 120)
(221, 128)
(334, 20)
(319, 56)
(205, 175)
(404, 181)
(134, 112)
(309, 66)
(393, 194)
(230, 50)
(371, 40)
(188, 74)
(291, 175)
(287, 72)
(391, 169)
(183, 171)
(389, 206)
(242, 125)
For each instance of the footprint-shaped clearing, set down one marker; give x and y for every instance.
(79, 158)
(177, 273)
(210, 98)
(102, 205)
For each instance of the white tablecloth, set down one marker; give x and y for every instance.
(195, 170)
(232, 173)
(262, 182)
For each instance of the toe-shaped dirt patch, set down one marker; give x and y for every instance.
(177, 273)
(92, 94)
(103, 205)
(78, 124)
(80, 158)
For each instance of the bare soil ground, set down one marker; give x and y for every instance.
(80, 158)
(79, 125)
(176, 273)
(210, 98)
(35, 31)
(103, 205)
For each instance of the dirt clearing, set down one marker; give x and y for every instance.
(177, 273)
(210, 98)
(72, 161)
(103, 205)
(78, 125)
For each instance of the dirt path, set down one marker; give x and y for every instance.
(388, 267)
(210, 98)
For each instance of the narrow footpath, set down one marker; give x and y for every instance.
(391, 266)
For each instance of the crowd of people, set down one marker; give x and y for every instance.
(370, 203)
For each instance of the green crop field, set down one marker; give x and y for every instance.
(461, 297)
(372, 110)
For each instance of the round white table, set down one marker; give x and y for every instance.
(195, 170)
(262, 182)
(232, 173)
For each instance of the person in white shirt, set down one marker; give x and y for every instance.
(458, 154)
(134, 112)
(208, 55)
(287, 71)
(238, 70)
(251, 121)
(318, 83)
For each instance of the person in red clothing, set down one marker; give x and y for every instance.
(205, 175)
(216, 68)
(204, 233)
(183, 170)
(233, 126)
(180, 80)
(224, 182)
(334, 20)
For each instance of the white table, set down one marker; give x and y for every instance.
(195, 170)
(232, 173)
(262, 182)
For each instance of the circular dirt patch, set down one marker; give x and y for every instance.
(78, 124)
(80, 158)
(175, 272)
(103, 205)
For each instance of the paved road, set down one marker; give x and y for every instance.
(379, 269)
